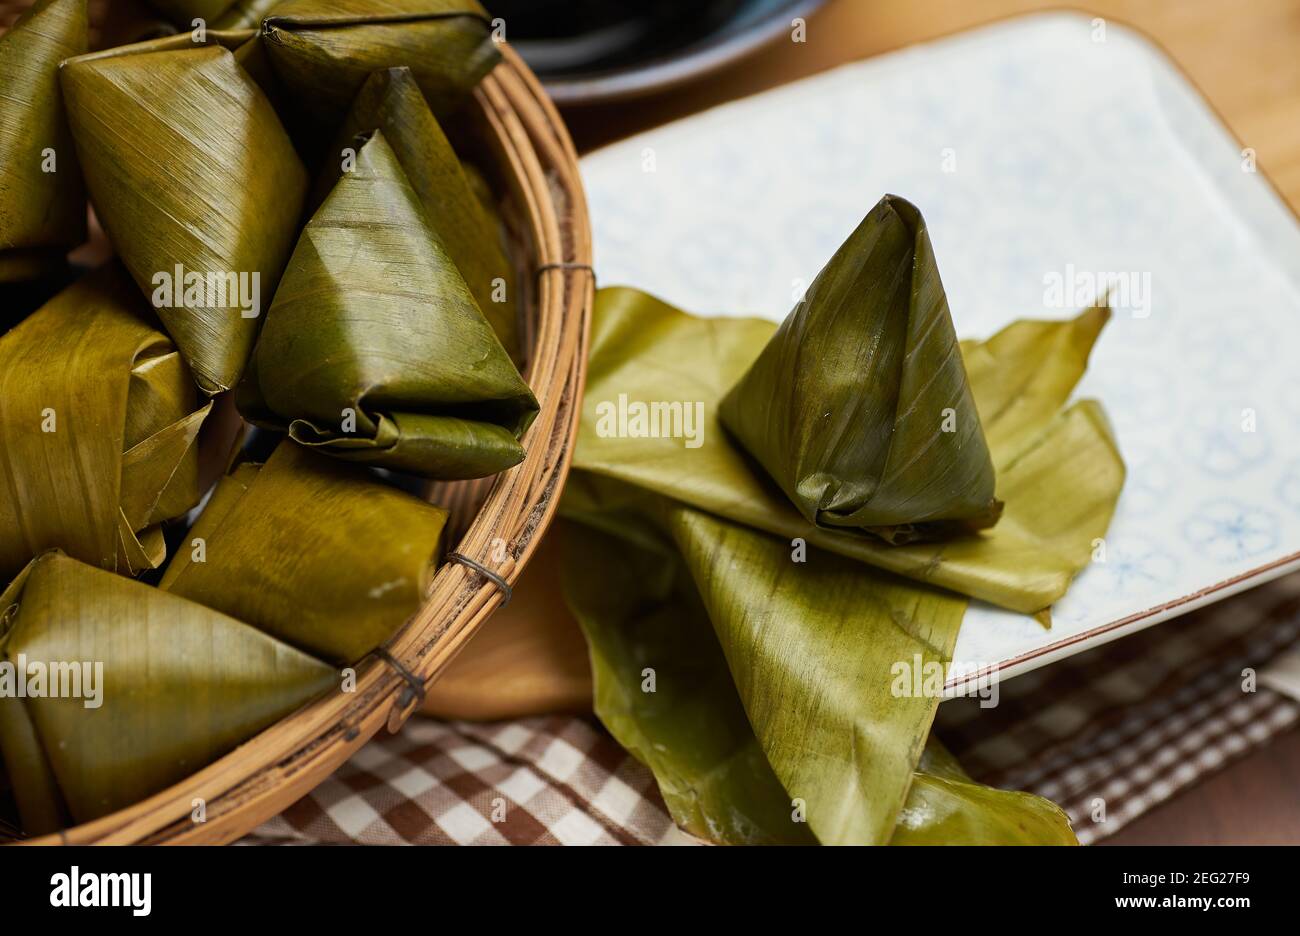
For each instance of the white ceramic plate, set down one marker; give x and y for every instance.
(1035, 148)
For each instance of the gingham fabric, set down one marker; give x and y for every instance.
(1108, 734)
(539, 781)
(1112, 732)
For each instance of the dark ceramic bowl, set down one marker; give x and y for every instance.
(595, 51)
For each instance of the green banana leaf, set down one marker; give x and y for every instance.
(206, 184)
(390, 101)
(42, 213)
(841, 742)
(1059, 471)
(770, 719)
(418, 380)
(325, 50)
(98, 430)
(313, 551)
(858, 407)
(640, 612)
(945, 807)
(178, 686)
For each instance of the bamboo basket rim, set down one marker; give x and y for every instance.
(264, 775)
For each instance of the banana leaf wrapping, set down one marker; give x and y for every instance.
(859, 407)
(98, 430)
(312, 551)
(178, 686)
(418, 381)
(324, 50)
(390, 101)
(42, 197)
(203, 195)
(759, 645)
(1021, 380)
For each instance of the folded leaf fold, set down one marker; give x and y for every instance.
(313, 551)
(201, 198)
(99, 427)
(165, 687)
(374, 349)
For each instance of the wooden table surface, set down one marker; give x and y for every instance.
(1244, 56)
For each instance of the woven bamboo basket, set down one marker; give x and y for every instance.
(497, 522)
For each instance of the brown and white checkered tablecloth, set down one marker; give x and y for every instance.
(1108, 734)
(1117, 730)
(540, 781)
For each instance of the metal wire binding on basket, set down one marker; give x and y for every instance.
(506, 591)
(567, 267)
(536, 158)
(414, 691)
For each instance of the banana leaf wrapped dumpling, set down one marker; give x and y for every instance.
(312, 551)
(166, 687)
(391, 102)
(859, 406)
(777, 716)
(99, 428)
(1022, 379)
(374, 349)
(42, 197)
(324, 50)
(201, 199)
